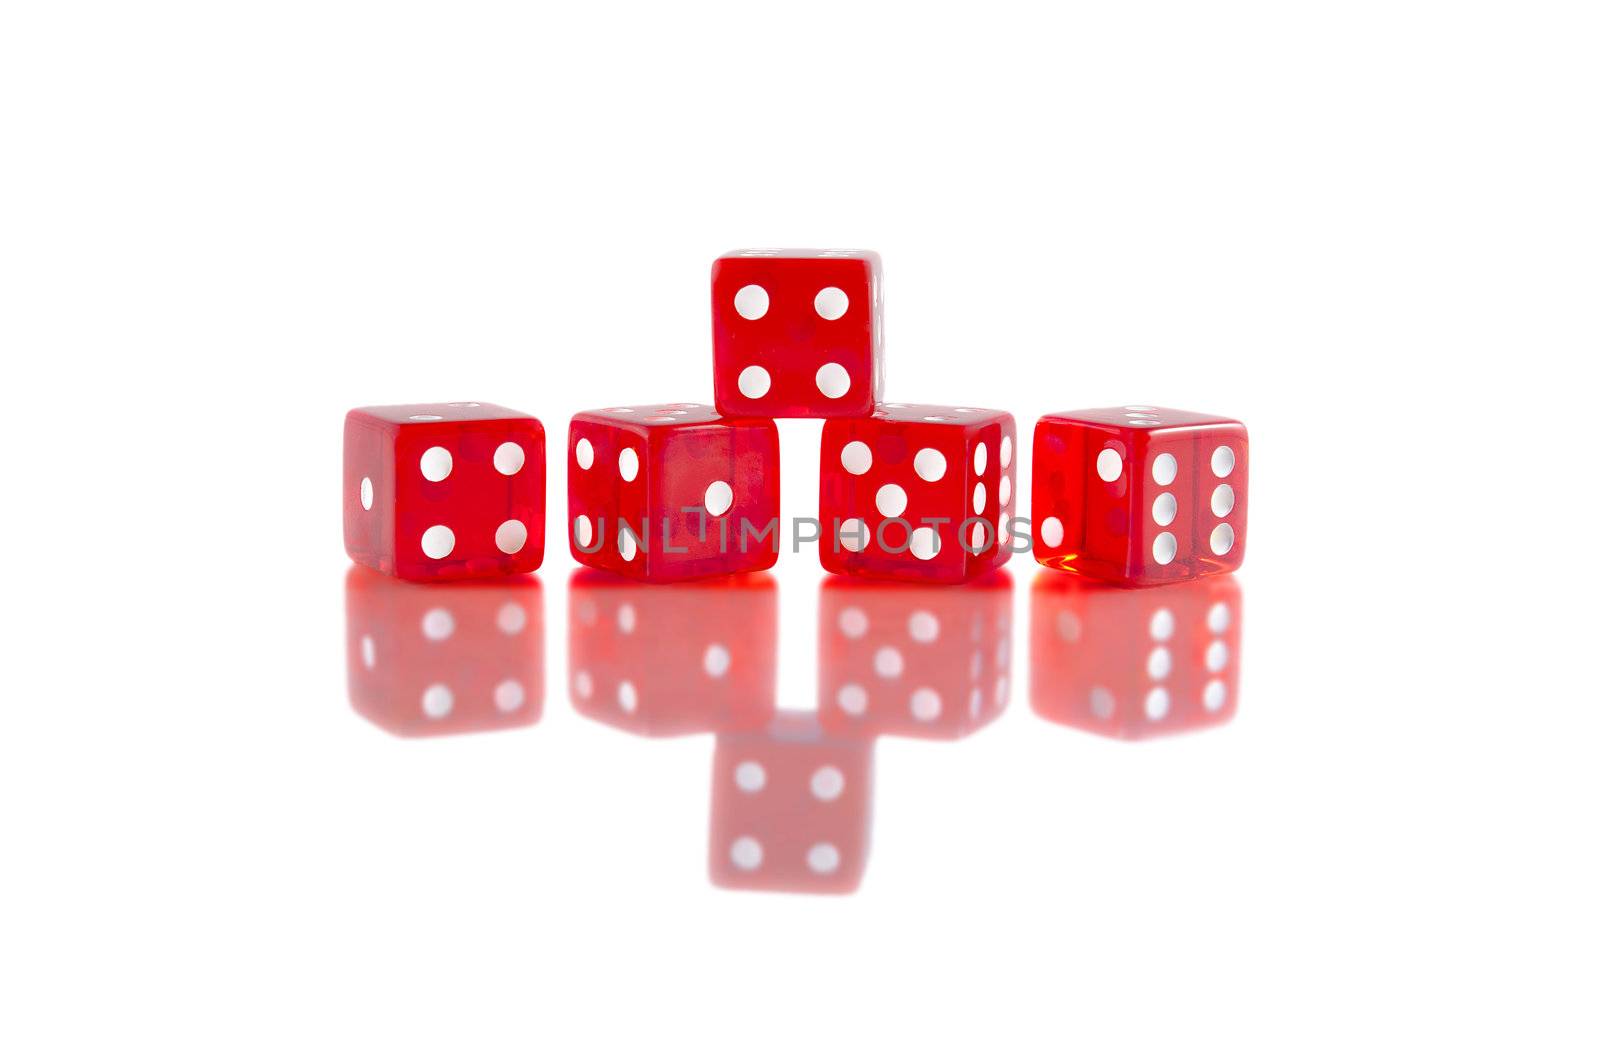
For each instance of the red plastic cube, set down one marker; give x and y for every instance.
(435, 492)
(1140, 495)
(918, 492)
(797, 332)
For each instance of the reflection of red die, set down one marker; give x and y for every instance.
(909, 660)
(790, 808)
(1139, 495)
(1134, 663)
(665, 660)
(427, 660)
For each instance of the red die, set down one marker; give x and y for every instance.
(920, 492)
(428, 660)
(666, 492)
(665, 660)
(790, 808)
(797, 332)
(1133, 664)
(444, 491)
(908, 660)
(1139, 495)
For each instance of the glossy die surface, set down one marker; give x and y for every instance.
(436, 492)
(797, 332)
(1139, 495)
(668, 492)
(667, 660)
(930, 662)
(433, 660)
(791, 808)
(918, 492)
(1134, 663)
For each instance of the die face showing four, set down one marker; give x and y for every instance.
(668, 660)
(1138, 495)
(930, 662)
(887, 480)
(797, 333)
(669, 492)
(1132, 664)
(435, 660)
(791, 808)
(445, 491)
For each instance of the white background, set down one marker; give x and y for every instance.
(1367, 229)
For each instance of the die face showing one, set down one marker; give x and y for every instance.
(888, 480)
(668, 660)
(1137, 663)
(930, 662)
(791, 808)
(435, 660)
(445, 491)
(1139, 495)
(668, 492)
(797, 333)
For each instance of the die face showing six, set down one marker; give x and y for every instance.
(1140, 495)
(669, 492)
(668, 660)
(887, 480)
(908, 660)
(1132, 664)
(797, 333)
(445, 491)
(441, 659)
(791, 808)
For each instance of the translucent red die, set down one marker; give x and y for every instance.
(1139, 495)
(434, 492)
(918, 492)
(1134, 663)
(797, 332)
(666, 492)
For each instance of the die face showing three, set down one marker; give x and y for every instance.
(797, 333)
(1139, 495)
(1132, 664)
(918, 492)
(444, 491)
(668, 492)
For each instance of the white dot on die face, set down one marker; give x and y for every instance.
(1159, 665)
(1139, 408)
(1162, 624)
(510, 536)
(1102, 704)
(1156, 704)
(1222, 500)
(584, 451)
(436, 463)
(750, 776)
(628, 697)
(1005, 490)
(980, 537)
(823, 859)
(1108, 465)
(1222, 461)
(509, 458)
(511, 619)
(852, 699)
(930, 465)
(831, 303)
(1222, 539)
(923, 626)
(1051, 532)
(627, 618)
(827, 783)
(1216, 656)
(508, 696)
(438, 542)
(437, 701)
(583, 684)
(1215, 695)
(438, 623)
(926, 704)
(853, 622)
(888, 663)
(583, 531)
(628, 465)
(627, 547)
(754, 382)
(424, 418)
(975, 703)
(1164, 510)
(1164, 469)
(1005, 452)
(745, 853)
(924, 542)
(716, 660)
(462, 404)
(856, 458)
(1164, 548)
(369, 653)
(833, 381)
(891, 500)
(366, 494)
(853, 535)
(751, 301)
(719, 497)
(980, 458)
(980, 499)
(1218, 617)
